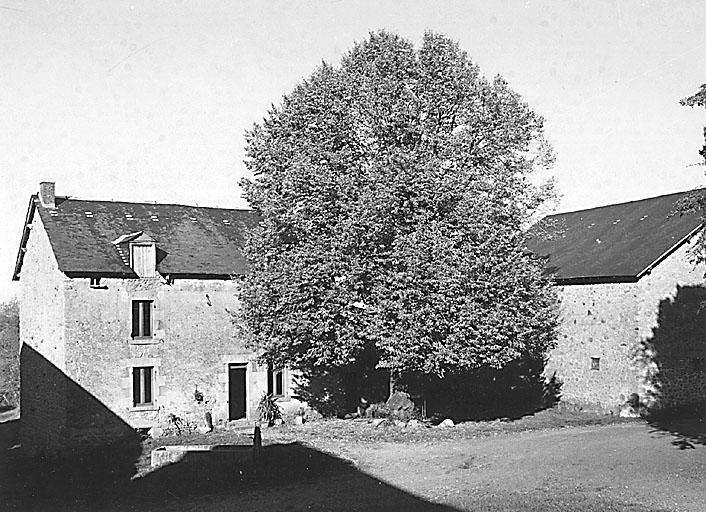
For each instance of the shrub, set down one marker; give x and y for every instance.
(268, 411)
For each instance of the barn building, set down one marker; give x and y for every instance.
(633, 304)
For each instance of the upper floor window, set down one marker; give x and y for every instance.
(141, 318)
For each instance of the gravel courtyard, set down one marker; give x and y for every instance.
(630, 466)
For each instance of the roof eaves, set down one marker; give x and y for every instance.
(25, 236)
(594, 280)
(128, 274)
(218, 277)
(669, 251)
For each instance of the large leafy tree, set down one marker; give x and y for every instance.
(394, 190)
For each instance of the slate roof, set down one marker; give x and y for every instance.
(191, 240)
(615, 243)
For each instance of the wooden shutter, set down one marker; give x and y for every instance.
(135, 318)
(146, 318)
(144, 260)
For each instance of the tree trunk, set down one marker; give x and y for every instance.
(393, 382)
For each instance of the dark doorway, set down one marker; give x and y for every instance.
(236, 391)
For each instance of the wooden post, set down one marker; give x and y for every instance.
(257, 447)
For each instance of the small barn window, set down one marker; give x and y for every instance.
(95, 282)
(142, 386)
(275, 382)
(595, 363)
(141, 318)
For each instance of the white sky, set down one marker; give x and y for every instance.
(149, 100)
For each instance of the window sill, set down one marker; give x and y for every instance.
(98, 286)
(144, 341)
(144, 408)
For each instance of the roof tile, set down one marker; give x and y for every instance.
(194, 240)
(617, 242)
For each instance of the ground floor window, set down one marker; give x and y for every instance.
(275, 381)
(142, 385)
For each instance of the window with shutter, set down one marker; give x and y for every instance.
(142, 385)
(141, 318)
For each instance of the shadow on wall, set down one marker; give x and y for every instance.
(69, 439)
(673, 359)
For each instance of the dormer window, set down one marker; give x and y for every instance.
(140, 252)
(143, 259)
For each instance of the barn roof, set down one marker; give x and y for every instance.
(190, 240)
(614, 243)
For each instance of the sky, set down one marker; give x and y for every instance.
(150, 100)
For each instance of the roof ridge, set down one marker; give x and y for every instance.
(626, 202)
(149, 203)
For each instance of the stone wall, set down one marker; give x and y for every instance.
(647, 338)
(672, 332)
(42, 356)
(597, 322)
(194, 342)
(78, 353)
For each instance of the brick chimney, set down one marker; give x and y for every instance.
(46, 194)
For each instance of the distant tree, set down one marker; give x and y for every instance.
(695, 202)
(9, 351)
(394, 191)
(698, 99)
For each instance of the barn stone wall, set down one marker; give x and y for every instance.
(647, 338)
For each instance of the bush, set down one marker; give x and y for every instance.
(268, 411)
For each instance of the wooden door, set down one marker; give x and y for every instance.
(236, 391)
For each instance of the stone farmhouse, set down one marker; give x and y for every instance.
(126, 318)
(633, 304)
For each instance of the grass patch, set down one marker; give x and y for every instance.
(332, 435)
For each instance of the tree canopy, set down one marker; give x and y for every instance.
(394, 190)
(695, 202)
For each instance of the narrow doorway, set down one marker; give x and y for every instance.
(236, 391)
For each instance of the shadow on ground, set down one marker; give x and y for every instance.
(79, 455)
(301, 478)
(687, 426)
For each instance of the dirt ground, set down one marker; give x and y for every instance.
(619, 467)
(636, 466)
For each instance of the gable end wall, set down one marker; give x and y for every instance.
(632, 328)
(42, 356)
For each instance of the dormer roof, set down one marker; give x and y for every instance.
(136, 237)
